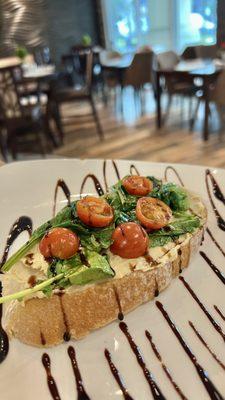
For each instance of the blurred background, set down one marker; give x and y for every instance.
(137, 79)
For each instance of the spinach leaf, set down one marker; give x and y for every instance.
(174, 196)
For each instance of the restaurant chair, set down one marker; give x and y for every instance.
(139, 73)
(66, 94)
(216, 96)
(201, 51)
(173, 85)
(23, 122)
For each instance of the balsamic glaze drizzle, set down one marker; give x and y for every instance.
(98, 186)
(203, 375)
(216, 188)
(175, 172)
(62, 184)
(120, 313)
(206, 345)
(51, 381)
(156, 392)
(169, 376)
(104, 172)
(81, 393)
(116, 375)
(4, 340)
(220, 275)
(219, 312)
(134, 169)
(216, 191)
(216, 326)
(214, 241)
(66, 336)
(21, 224)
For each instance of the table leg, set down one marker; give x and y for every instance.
(158, 101)
(205, 132)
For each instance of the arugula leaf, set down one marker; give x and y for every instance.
(174, 196)
(99, 269)
(181, 224)
(156, 240)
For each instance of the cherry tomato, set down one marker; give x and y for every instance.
(94, 211)
(153, 213)
(129, 240)
(59, 242)
(137, 185)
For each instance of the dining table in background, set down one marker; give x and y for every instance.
(187, 71)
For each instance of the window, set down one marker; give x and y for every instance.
(162, 24)
(196, 22)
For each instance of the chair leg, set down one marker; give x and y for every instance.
(3, 146)
(170, 98)
(192, 120)
(95, 114)
(46, 126)
(58, 121)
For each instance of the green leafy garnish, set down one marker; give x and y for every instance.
(174, 196)
(182, 223)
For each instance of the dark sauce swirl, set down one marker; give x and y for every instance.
(134, 170)
(200, 337)
(21, 224)
(50, 380)
(203, 375)
(81, 393)
(165, 369)
(216, 188)
(116, 375)
(156, 392)
(61, 184)
(220, 220)
(220, 275)
(104, 172)
(215, 325)
(219, 312)
(4, 340)
(170, 168)
(97, 184)
(215, 241)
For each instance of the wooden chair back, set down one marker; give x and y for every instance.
(10, 107)
(202, 51)
(217, 93)
(140, 71)
(167, 60)
(89, 70)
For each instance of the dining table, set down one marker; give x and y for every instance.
(207, 70)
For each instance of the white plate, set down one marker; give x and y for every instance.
(27, 188)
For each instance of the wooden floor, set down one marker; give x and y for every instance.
(131, 135)
(135, 137)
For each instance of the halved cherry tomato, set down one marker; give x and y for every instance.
(153, 213)
(59, 242)
(129, 240)
(94, 211)
(137, 185)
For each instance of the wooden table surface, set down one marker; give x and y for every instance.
(9, 62)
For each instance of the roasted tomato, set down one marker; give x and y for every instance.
(129, 240)
(137, 185)
(94, 211)
(60, 243)
(153, 213)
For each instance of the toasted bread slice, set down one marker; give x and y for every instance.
(78, 311)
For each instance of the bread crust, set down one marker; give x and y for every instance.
(43, 322)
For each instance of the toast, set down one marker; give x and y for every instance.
(77, 310)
